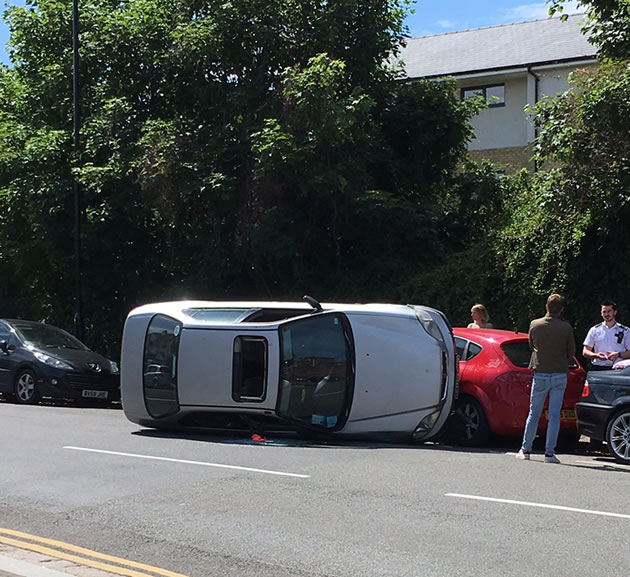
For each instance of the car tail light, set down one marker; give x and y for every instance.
(586, 391)
(515, 378)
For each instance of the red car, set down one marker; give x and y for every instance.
(495, 386)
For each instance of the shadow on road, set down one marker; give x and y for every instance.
(287, 439)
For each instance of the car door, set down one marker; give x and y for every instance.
(466, 350)
(516, 384)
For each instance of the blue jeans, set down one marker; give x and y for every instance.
(553, 384)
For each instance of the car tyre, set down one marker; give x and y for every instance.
(26, 391)
(471, 424)
(618, 436)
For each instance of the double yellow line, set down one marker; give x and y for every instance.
(80, 555)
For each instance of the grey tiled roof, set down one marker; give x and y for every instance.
(510, 45)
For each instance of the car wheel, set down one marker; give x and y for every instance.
(26, 392)
(471, 424)
(618, 436)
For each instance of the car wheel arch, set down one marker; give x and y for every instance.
(620, 410)
(479, 395)
(467, 423)
(620, 402)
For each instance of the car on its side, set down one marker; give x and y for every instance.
(495, 386)
(40, 360)
(603, 413)
(318, 369)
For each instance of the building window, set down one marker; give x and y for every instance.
(494, 95)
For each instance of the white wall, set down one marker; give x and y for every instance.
(502, 126)
(509, 126)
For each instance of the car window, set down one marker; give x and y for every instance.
(473, 350)
(460, 347)
(216, 315)
(270, 315)
(249, 374)
(4, 332)
(161, 350)
(466, 349)
(518, 352)
(47, 336)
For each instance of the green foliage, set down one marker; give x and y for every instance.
(469, 266)
(585, 131)
(568, 225)
(251, 148)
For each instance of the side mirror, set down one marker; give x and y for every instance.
(6, 348)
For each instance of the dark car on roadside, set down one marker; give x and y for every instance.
(495, 387)
(39, 360)
(603, 414)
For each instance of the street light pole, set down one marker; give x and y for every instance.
(78, 320)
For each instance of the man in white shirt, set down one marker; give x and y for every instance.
(607, 342)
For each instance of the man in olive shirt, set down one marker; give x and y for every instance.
(553, 347)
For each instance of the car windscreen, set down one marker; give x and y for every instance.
(40, 335)
(518, 352)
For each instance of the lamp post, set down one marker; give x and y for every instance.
(76, 189)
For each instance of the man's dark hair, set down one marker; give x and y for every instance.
(555, 304)
(609, 303)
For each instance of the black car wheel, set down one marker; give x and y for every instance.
(471, 426)
(618, 436)
(26, 392)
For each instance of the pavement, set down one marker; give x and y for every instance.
(10, 567)
(15, 562)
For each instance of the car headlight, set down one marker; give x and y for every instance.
(52, 361)
(426, 425)
(113, 367)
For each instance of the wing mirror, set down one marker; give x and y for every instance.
(5, 348)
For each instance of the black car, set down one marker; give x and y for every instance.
(604, 411)
(39, 360)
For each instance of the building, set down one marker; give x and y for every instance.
(512, 66)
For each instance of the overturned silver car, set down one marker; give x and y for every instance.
(380, 370)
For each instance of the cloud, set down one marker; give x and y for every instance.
(538, 10)
(446, 23)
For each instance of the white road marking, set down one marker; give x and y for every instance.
(612, 464)
(219, 465)
(542, 505)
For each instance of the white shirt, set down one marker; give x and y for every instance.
(607, 340)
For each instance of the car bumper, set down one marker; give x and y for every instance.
(592, 420)
(77, 386)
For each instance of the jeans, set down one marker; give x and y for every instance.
(554, 384)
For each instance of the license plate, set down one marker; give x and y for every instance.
(95, 394)
(565, 414)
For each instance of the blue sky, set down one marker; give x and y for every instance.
(440, 16)
(434, 16)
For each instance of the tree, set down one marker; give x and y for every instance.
(568, 225)
(248, 148)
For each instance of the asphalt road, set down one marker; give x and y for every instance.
(218, 506)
